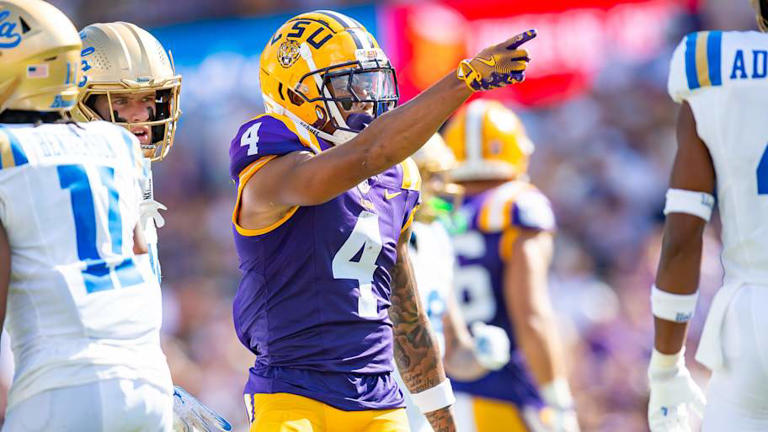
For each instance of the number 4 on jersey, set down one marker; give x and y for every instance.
(365, 236)
(250, 138)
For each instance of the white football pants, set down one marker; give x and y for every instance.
(112, 405)
(737, 396)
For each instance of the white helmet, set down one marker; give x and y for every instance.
(39, 57)
(120, 58)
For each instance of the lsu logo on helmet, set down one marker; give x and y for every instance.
(489, 142)
(327, 72)
(288, 53)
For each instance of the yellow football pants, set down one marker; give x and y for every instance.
(283, 412)
(494, 415)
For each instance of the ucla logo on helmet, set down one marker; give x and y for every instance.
(9, 37)
(288, 53)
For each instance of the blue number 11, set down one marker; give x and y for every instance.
(97, 275)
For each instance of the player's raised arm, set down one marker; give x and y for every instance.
(673, 297)
(416, 350)
(390, 138)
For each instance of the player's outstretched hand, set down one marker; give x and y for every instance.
(497, 66)
(674, 394)
(189, 415)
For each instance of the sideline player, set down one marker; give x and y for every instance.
(504, 255)
(465, 356)
(327, 295)
(83, 315)
(142, 97)
(720, 80)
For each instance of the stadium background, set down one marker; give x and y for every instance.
(595, 104)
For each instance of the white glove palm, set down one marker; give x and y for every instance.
(150, 209)
(491, 345)
(189, 415)
(674, 394)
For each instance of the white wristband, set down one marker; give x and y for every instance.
(693, 203)
(434, 398)
(672, 307)
(557, 394)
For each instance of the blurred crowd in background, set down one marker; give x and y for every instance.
(603, 157)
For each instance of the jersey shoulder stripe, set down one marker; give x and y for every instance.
(516, 204)
(697, 63)
(11, 153)
(411, 176)
(703, 59)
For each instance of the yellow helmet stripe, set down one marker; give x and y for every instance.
(473, 133)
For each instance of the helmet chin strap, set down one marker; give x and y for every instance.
(338, 137)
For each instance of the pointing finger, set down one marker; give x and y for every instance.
(521, 39)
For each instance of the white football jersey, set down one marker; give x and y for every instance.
(724, 78)
(80, 307)
(433, 260)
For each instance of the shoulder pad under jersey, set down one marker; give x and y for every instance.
(516, 205)
(697, 63)
(268, 135)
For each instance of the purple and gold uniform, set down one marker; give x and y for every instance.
(494, 219)
(313, 299)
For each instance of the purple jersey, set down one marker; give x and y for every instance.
(313, 299)
(494, 219)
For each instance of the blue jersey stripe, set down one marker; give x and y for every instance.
(690, 61)
(714, 57)
(115, 224)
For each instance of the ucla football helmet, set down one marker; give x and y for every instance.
(39, 57)
(489, 143)
(326, 71)
(761, 13)
(122, 58)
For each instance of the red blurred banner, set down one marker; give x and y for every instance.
(426, 40)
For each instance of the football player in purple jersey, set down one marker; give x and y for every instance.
(503, 244)
(327, 295)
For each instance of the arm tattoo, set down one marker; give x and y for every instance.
(441, 420)
(416, 349)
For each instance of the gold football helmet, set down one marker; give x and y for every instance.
(39, 57)
(324, 70)
(121, 58)
(761, 13)
(434, 160)
(489, 143)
